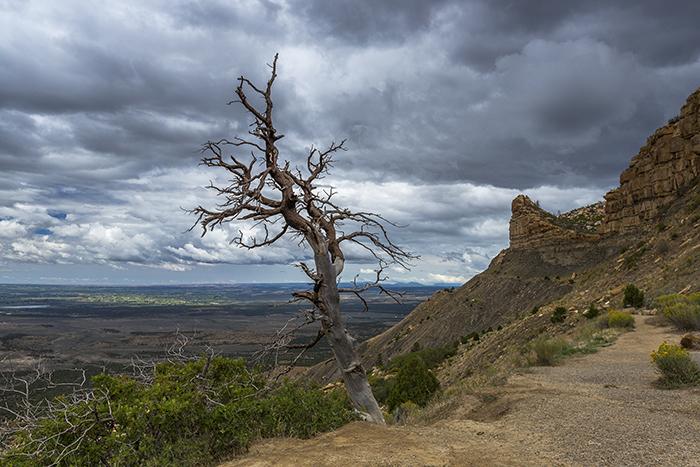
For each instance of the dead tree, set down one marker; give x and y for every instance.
(291, 202)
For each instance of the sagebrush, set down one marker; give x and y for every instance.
(683, 311)
(620, 319)
(675, 365)
(548, 350)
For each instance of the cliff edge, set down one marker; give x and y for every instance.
(647, 231)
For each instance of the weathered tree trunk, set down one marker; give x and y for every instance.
(276, 191)
(342, 344)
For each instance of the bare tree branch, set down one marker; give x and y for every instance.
(272, 192)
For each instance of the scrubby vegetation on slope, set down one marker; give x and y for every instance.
(408, 378)
(189, 413)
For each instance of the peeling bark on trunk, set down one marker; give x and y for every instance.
(343, 345)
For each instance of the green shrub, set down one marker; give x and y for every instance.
(675, 366)
(548, 350)
(174, 420)
(685, 316)
(380, 387)
(432, 356)
(559, 315)
(683, 311)
(414, 382)
(620, 319)
(300, 411)
(633, 297)
(670, 299)
(591, 312)
(471, 336)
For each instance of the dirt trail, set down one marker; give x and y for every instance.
(601, 409)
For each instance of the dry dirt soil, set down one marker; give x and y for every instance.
(599, 409)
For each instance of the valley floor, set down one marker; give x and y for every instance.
(600, 409)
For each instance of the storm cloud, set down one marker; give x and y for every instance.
(450, 109)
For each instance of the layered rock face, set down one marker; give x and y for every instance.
(663, 169)
(666, 166)
(532, 227)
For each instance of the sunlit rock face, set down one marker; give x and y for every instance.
(663, 170)
(532, 227)
(666, 166)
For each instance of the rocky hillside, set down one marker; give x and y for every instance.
(645, 232)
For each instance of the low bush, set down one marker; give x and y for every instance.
(380, 387)
(592, 312)
(191, 413)
(559, 315)
(471, 336)
(548, 350)
(670, 299)
(633, 297)
(414, 382)
(620, 319)
(690, 342)
(683, 311)
(685, 316)
(432, 356)
(676, 367)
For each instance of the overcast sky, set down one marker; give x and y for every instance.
(450, 108)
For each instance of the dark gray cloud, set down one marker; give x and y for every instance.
(450, 108)
(367, 22)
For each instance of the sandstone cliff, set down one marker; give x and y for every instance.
(532, 227)
(588, 254)
(663, 170)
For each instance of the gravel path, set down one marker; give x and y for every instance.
(601, 409)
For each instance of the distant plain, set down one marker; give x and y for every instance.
(92, 327)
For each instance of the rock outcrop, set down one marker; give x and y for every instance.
(573, 258)
(664, 168)
(532, 227)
